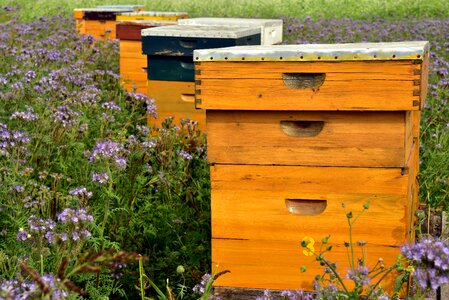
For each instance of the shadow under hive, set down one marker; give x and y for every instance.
(294, 131)
(169, 51)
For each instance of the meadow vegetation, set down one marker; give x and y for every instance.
(95, 202)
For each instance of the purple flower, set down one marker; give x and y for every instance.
(185, 155)
(101, 178)
(81, 193)
(430, 258)
(359, 275)
(65, 117)
(27, 115)
(22, 235)
(110, 151)
(111, 106)
(74, 216)
(199, 288)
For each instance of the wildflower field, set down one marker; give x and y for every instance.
(94, 204)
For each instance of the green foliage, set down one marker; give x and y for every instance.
(80, 171)
(355, 9)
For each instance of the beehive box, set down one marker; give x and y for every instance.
(169, 51)
(294, 131)
(175, 99)
(98, 22)
(133, 64)
(175, 45)
(153, 15)
(271, 29)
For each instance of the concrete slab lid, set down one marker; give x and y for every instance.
(202, 31)
(146, 22)
(230, 21)
(317, 52)
(155, 14)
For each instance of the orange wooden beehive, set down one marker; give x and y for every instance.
(100, 22)
(294, 131)
(133, 64)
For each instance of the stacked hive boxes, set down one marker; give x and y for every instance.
(294, 131)
(170, 63)
(100, 22)
(133, 64)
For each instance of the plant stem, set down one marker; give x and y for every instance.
(336, 275)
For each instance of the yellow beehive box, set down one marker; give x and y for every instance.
(153, 15)
(175, 99)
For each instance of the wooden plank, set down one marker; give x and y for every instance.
(380, 70)
(131, 49)
(133, 65)
(175, 98)
(267, 94)
(275, 264)
(356, 139)
(424, 79)
(100, 29)
(141, 86)
(249, 202)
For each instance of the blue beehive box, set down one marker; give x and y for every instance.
(170, 48)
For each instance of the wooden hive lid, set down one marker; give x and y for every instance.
(232, 32)
(231, 22)
(413, 50)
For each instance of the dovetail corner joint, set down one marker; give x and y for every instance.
(197, 72)
(417, 82)
(416, 103)
(198, 92)
(416, 72)
(197, 82)
(417, 61)
(198, 101)
(404, 170)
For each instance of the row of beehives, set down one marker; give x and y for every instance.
(293, 131)
(156, 49)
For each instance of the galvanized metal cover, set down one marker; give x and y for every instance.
(317, 52)
(202, 31)
(155, 14)
(231, 21)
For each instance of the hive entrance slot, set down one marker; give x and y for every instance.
(188, 98)
(303, 80)
(302, 128)
(305, 207)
